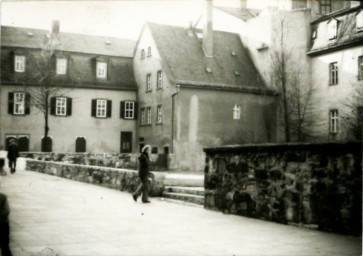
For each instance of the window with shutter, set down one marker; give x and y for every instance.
(101, 108)
(159, 114)
(19, 103)
(61, 106)
(129, 109)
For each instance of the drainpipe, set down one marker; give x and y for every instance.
(172, 116)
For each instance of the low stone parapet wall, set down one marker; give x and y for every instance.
(115, 178)
(116, 160)
(313, 185)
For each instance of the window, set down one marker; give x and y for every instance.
(332, 29)
(148, 82)
(315, 33)
(61, 106)
(159, 80)
(101, 108)
(148, 110)
(143, 116)
(19, 63)
(101, 69)
(360, 67)
(237, 112)
(159, 115)
(359, 21)
(333, 70)
(333, 121)
(149, 51)
(129, 109)
(142, 53)
(19, 103)
(61, 66)
(325, 6)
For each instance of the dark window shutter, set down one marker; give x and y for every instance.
(11, 103)
(93, 108)
(52, 105)
(27, 104)
(12, 61)
(109, 108)
(69, 106)
(122, 109)
(136, 110)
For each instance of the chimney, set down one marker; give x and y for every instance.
(55, 27)
(243, 4)
(208, 30)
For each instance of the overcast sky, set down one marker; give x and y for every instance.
(109, 18)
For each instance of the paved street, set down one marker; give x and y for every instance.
(55, 216)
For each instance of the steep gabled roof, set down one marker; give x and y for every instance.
(346, 36)
(33, 38)
(184, 59)
(240, 13)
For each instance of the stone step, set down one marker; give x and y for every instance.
(181, 202)
(184, 180)
(195, 199)
(185, 190)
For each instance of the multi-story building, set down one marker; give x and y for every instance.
(199, 88)
(336, 55)
(95, 109)
(299, 29)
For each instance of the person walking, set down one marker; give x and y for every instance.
(4, 226)
(13, 154)
(144, 173)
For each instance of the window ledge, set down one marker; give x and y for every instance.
(159, 123)
(148, 91)
(159, 88)
(145, 124)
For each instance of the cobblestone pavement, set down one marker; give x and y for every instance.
(55, 216)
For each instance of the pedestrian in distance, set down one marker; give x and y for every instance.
(2, 160)
(144, 174)
(13, 154)
(4, 226)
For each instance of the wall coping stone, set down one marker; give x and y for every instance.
(330, 146)
(159, 175)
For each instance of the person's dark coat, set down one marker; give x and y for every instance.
(13, 152)
(144, 165)
(4, 209)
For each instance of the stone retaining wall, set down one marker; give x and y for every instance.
(315, 185)
(121, 179)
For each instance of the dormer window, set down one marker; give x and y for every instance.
(149, 51)
(19, 63)
(142, 53)
(332, 29)
(233, 53)
(101, 71)
(61, 66)
(209, 70)
(314, 35)
(359, 21)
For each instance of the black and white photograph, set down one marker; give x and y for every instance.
(181, 127)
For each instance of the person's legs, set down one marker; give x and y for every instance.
(4, 239)
(11, 165)
(145, 190)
